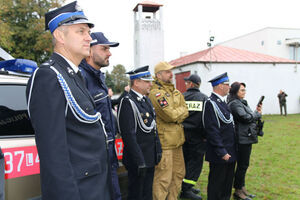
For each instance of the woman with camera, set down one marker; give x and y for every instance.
(246, 133)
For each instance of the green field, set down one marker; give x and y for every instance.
(274, 172)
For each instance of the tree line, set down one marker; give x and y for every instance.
(23, 35)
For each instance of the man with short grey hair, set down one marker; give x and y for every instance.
(69, 134)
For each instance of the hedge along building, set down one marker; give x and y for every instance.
(263, 75)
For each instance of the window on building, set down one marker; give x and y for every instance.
(262, 43)
(294, 53)
(278, 42)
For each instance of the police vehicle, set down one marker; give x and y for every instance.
(21, 174)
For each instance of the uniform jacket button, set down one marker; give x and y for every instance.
(86, 173)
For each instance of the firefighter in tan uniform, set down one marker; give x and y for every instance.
(171, 111)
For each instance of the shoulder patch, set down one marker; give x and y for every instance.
(163, 102)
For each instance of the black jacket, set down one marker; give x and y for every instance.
(95, 83)
(193, 126)
(139, 146)
(73, 155)
(220, 135)
(245, 121)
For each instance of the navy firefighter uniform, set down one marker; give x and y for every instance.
(195, 143)
(95, 83)
(142, 149)
(69, 135)
(219, 130)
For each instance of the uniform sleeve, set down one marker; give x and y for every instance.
(169, 112)
(241, 115)
(47, 112)
(127, 128)
(212, 130)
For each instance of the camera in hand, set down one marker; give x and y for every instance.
(259, 128)
(261, 99)
(260, 123)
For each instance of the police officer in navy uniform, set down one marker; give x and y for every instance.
(219, 130)
(95, 82)
(69, 135)
(195, 142)
(142, 150)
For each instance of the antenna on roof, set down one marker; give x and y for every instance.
(210, 44)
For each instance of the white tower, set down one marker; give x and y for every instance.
(148, 34)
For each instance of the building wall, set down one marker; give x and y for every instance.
(260, 79)
(148, 40)
(270, 41)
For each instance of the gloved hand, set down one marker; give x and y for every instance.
(142, 170)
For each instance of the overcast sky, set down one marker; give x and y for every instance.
(189, 23)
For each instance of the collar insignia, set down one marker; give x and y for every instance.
(70, 71)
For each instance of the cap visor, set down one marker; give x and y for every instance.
(111, 44)
(147, 79)
(81, 21)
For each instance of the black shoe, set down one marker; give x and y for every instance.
(251, 195)
(195, 190)
(190, 195)
(247, 193)
(237, 197)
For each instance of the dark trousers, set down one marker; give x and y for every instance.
(243, 160)
(220, 181)
(140, 188)
(193, 159)
(116, 193)
(284, 106)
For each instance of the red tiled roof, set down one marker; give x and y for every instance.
(148, 6)
(222, 54)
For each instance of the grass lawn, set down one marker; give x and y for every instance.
(274, 171)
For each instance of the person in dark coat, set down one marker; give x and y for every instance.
(195, 143)
(282, 101)
(142, 149)
(221, 150)
(90, 69)
(245, 125)
(69, 135)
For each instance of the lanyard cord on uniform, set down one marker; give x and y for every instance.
(75, 108)
(79, 114)
(137, 118)
(143, 126)
(218, 113)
